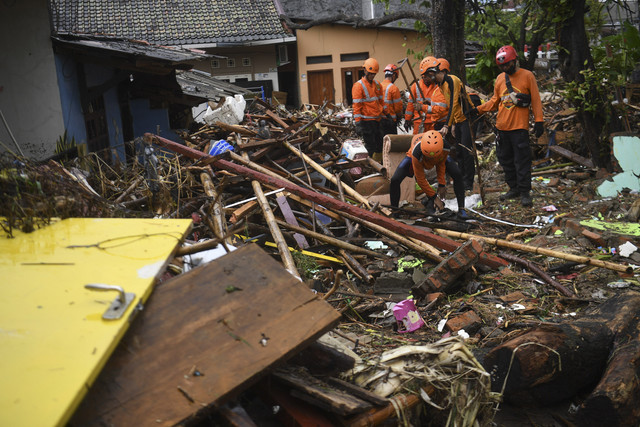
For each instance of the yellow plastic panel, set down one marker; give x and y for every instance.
(53, 340)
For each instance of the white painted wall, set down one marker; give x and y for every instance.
(29, 94)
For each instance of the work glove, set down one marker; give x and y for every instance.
(442, 191)
(359, 130)
(474, 112)
(408, 125)
(538, 129)
(444, 131)
(429, 205)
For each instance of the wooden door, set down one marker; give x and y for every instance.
(321, 87)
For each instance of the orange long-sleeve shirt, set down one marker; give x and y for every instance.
(511, 117)
(392, 101)
(367, 100)
(420, 163)
(433, 105)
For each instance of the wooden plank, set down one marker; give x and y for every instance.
(54, 341)
(319, 393)
(204, 336)
(291, 219)
(576, 158)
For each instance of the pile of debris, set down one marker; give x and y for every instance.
(438, 321)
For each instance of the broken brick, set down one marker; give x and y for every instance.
(469, 321)
(594, 237)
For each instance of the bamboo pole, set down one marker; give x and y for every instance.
(219, 223)
(352, 262)
(281, 244)
(411, 243)
(330, 240)
(128, 191)
(350, 191)
(537, 250)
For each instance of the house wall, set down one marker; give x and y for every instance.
(386, 45)
(29, 94)
(262, 58)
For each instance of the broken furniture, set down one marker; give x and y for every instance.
(204, 336)
(57, 333)
(376, 188)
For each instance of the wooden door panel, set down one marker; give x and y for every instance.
(321, 87)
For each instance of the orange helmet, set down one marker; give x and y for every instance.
(444, 65)
(391, 68)
(505, 54)
(431, 143)
(427, 64)
(371, 66)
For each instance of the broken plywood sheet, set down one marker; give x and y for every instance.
(204, 335)
(626, 150)
(54, 340)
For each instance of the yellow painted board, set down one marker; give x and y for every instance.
(53, 340)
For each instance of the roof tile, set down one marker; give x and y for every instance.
(171, 22)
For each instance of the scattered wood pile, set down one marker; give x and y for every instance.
(517, 306)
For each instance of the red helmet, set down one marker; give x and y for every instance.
(428, 64)
(444, 65)
(505, 54)
(431, 143)
(391, 68)
(371, 66)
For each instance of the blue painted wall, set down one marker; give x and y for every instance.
(145, 119)
(70, 98)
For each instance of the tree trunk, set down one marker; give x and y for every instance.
(447, 31)
(574, 56)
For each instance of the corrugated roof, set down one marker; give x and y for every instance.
(170, 22)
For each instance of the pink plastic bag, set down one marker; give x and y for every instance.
(407, 316)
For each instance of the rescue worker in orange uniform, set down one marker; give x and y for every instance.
(458, 102)
(367, 109)
(392, 109)
(515, 95)
(428, 151)
(431, 107)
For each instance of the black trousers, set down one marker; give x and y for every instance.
(405, 169)
(389, 127)
(464, 154)
(372, 136)
(514, 155)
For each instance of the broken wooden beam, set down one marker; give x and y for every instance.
(576, 158)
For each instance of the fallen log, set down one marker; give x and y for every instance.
(614, 401)
(550, 363)
(330, 202)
